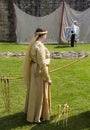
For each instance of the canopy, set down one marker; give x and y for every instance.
(55, 23)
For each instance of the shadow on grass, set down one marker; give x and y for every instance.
(79, 122)
(13, 121)
(7, 43)
(62, 46)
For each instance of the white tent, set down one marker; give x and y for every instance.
(55, 23)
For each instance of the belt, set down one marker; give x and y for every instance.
(33, 62)
(36, 62)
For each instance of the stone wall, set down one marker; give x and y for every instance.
(44, 7)
(38, 7)
(79, 4)
(7, 32)
(4, 24)
(32, 7)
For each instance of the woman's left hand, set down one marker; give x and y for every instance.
(49, 82)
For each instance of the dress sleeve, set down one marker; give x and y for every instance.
(43, 61)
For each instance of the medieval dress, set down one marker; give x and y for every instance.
(37, 103)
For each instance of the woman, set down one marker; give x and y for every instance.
(37, 78)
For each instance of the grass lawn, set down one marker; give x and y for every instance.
(71, 85)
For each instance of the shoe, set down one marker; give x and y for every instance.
(38, 122)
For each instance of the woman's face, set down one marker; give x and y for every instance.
(44, 36)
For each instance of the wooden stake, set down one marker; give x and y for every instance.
(6, 93)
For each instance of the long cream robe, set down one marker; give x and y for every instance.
(38, 100)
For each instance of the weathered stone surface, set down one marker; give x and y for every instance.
(68, 55)
(54, 55)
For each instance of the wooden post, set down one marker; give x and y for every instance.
(14, 20)
(61, 19)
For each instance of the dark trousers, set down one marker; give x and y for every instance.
(72, 40)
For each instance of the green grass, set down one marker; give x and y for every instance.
(13, 47)
(70, 85)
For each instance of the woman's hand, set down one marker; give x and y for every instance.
(49, 82)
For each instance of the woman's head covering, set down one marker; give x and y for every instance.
(75, 22)
(27, 61)
(40, 32)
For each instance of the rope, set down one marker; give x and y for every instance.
(14, 78)
(5, 85)
(11, 78)
(69, 64)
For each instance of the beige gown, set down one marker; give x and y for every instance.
(38, 100)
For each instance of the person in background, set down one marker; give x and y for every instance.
(37, 79)
(74, 27)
